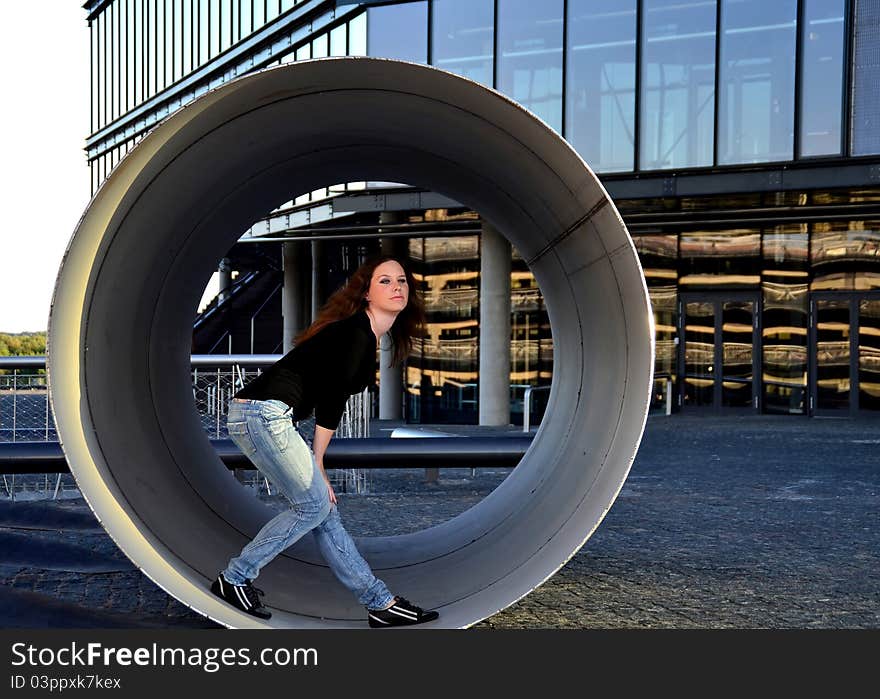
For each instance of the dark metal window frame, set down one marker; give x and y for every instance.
(852, 297)
(719, 297)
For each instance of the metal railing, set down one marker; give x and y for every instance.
(26, 415)
(527, 405)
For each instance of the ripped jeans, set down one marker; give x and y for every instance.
(265, 433)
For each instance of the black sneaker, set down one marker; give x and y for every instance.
(245, 597)
(401, 613)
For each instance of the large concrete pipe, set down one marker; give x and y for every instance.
(136, 266)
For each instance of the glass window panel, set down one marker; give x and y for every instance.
(134, 46)
(287, 4)
(531, 341)
(259, 13)
(140, 52)
(785, 318)
(102, 71)
(150, 49)
(785, 346)
(215, 19)
(756, 81)
(699, 354)
(112, 63)
(246, 26)
(273, 7)
(320, 47)
(530, 60)
(338, 41)
(235, 20)
(161, 65)
(399, 31)
(869, 354)
(187, 38)
(357, 35)
(442, 368)
(304, 52)
(226, 21)
(463, 38)
(737, 353)
(96, 73)
(172, 42)
(833, 354)
(659, 257)
(866, 78)
(678, 84)
(601, 75)
(723, 258)
(664, 302)
(204, 33)
(122, 55)
(846, 255)
(821, 78)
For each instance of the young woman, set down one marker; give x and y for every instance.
(334, 358)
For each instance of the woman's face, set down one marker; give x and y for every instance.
(388, 291)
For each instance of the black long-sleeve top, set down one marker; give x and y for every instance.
(322, 372)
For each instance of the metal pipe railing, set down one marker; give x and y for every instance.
(527, 405)
(359, 453)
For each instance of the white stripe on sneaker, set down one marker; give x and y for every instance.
(381, 621)
(405, 613)
(242, 597)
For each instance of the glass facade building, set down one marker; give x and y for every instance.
(740, 140)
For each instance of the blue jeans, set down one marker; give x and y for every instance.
(264, 432)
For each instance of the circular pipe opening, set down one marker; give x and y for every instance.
(121, 323)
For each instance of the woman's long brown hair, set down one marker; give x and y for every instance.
(349, 299)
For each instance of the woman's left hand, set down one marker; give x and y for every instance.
(330, 490)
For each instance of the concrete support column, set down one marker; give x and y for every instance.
(390, 378)
(494, 396)
(295, 302)
(317, 295)
(224, 271)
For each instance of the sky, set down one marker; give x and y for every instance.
(44, 121)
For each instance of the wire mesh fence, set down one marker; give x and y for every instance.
(26, 416)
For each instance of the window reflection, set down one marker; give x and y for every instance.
(725, 258)
(338, 41)
(530, 60)
(664, 302)
(442, 369)
(357, 35)
(601, 75)
(737, 323)
(785, 319)
(659, 258)
(821, 78)
(399, 31)
(204, 12)
(846, 255)
(699, 354)
(678, 84)
(462, 38)
(756, 81)
(832, 354)
(866, 77)
(869, 354)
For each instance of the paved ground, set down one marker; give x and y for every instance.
(758, 522)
